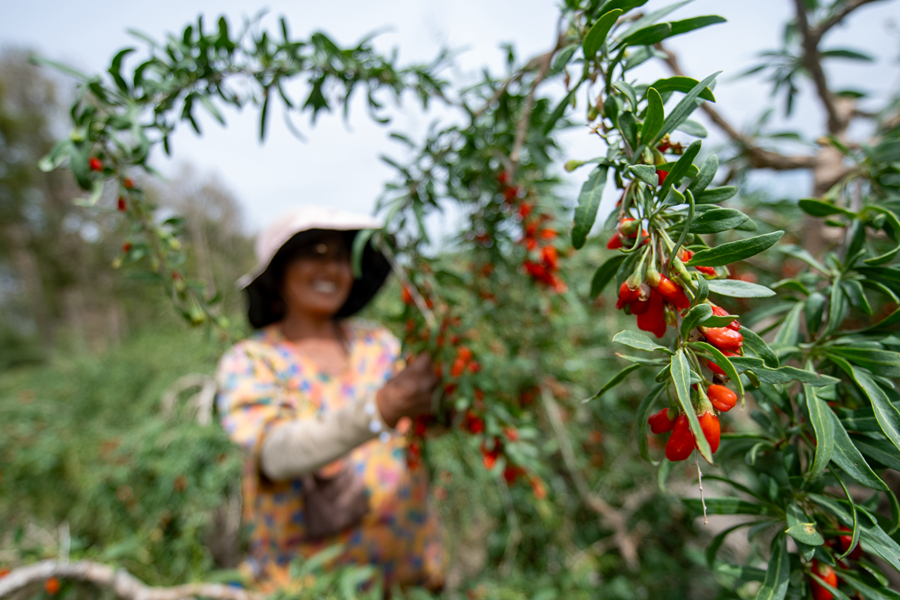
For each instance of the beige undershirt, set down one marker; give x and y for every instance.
(303, 446)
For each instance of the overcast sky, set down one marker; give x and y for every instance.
(339, 164)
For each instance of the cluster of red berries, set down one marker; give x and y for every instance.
(542, 264)
(841, 543)
(682, 441)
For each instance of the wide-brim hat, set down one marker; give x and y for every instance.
(264, 306)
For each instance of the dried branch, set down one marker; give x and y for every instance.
(758, 158)
(122, 583)
(544, 62)
(610, 516)
(813, 63)
(819, 30)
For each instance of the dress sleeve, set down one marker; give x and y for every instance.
(249, 398)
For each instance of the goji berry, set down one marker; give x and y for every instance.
(654, 320)
(723, 338)
(95, 164)
(660, 422)
(627, 295)
(473, 423)
(673, 292)
(51, 586)
(827, 574)
(615, 242)
(712, 430)
(681, 442)
(721, 397)
(721, 312)
(128, 183)
(662, 176)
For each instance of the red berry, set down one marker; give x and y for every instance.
(52, 586)
(627, 295)
(716, 368)
(4, 571)
(126, 247)
(95, 164)
(502, 177)
(707, 271)
(128, 183)
(673, 292)
(473, 423)
(681, 442)
(662, 176)
(511, 473)
(721, 397)
(406, 295)
(615, 242)
(846, 541)
(511, 434)
(723, 338)
(660, 422)
(712, 430)
(628, 227)
(654, 319)
(827, 574)
(120, 204)
(721, 312)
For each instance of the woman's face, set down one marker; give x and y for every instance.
(318, 279)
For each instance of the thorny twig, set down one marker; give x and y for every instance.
(702, 498)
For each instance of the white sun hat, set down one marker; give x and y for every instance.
(259, 286)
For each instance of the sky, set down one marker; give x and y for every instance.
(339, 163)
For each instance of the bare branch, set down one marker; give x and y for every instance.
(819, 30)
(610, 516)
(813, 63)
(522, 127)
(758, 158)
(122, 583)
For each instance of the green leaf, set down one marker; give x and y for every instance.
(778, 575)
(639, 341)
(876, 538)
(879, 450)
(596, 35)
(558, 112)
(757, 346)
(652, 34)
(823, 426)
(734, 251)
(654, 118)
(716, 195)
(880, 362)
(681, 377)
(705, 176)
(854, 291)
(865, 590)
(693, 128)
(685, 107)
(645, 173)
(694, 317)
(849, 458)
(886, 413)
(779, 375)
(605, 274)
(677, 173)
(713, 547)
(789, 332)
(847, 54)
(588, 203)
(614, 381)
(359, 245)
(820, 208)
(681, 84)
(892, 231)
(717, 220)
(628, 92)
(694, 23)
(801, 527)
(724, 506)
(643, 413)
(57, 66)
(736, 288)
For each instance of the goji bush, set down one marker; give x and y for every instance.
(816, 368)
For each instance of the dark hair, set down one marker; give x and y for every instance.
(265, 304)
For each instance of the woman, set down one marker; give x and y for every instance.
(314, 399)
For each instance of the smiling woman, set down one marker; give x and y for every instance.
(315, 400)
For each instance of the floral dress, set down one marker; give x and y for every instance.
(264, 381)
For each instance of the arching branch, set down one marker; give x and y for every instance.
(122, 583)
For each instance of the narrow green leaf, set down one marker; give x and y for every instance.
(558, 112)
(730, 252)
(758, 347)
(854, 291)
(694, 317)
(717, 195)
(654, 119)
(677, 173)
(705, 176)
(849, 458)
(789, 332)
(681, 377)
(823, 426)
(713, 547)
(885, 412)
(639, 341)
(724, 506)
(694, 23)
(724, 363)
(685, 107)
(718, 220)
(588, 203)
(778, 575)
(652, 34)
(880, 362)
(605, 274)
(736, 288)
(645, 173)
(681, 84)
(596, 35)
(615, 380)
(820, 208)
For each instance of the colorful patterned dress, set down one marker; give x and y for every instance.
(264, 381)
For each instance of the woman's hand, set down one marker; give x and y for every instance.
(408, 393)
